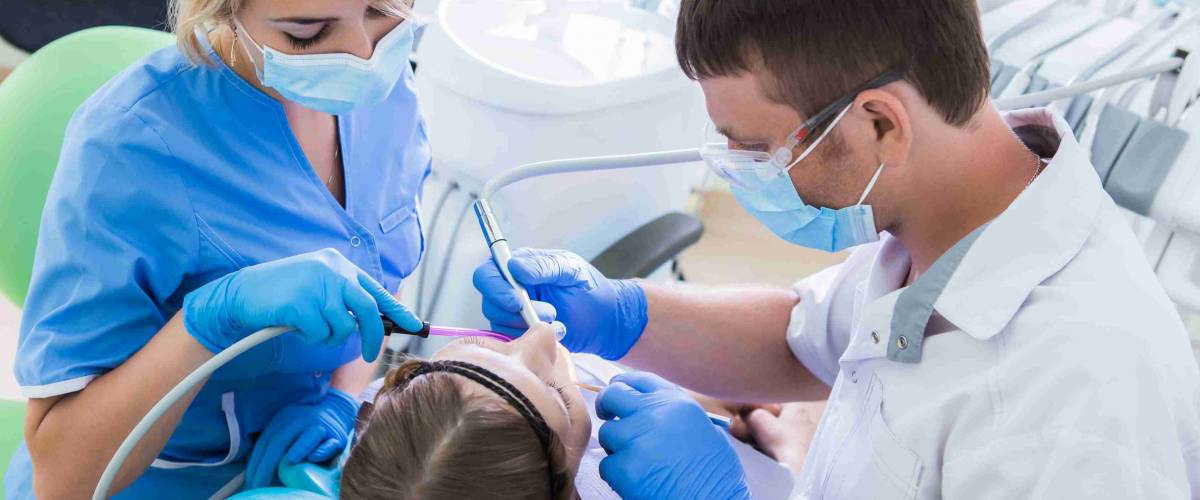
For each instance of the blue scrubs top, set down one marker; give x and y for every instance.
(173, 175)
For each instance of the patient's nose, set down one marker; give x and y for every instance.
(537, 349)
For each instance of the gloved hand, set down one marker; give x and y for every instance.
(603, 317)
(325, 297)
(663, 445)
(313, 433)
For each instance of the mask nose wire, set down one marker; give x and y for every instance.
(871, 185)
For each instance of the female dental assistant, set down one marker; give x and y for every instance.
(264, 172)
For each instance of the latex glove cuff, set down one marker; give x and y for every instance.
(632, 316)
(211, 331)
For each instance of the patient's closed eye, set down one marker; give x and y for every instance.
(562, 395)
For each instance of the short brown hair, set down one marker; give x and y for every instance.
(815, 51)
(427, 439)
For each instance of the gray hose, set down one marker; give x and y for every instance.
(437, 289)
(437, 213)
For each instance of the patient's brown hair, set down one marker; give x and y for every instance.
(428, 439)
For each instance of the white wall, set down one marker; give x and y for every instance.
(10, 318)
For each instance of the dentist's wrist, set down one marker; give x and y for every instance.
(632, 317)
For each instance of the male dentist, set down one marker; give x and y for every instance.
(996, 333)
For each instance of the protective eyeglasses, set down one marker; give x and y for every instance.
(754, 170)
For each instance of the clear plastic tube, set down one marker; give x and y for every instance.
(450, 331)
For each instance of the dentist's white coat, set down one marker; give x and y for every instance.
(1060, 370)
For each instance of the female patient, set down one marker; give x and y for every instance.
(481, 419)
(489, 419)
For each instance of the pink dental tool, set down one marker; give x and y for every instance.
(390, 327)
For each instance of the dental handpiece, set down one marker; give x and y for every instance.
(502, 255)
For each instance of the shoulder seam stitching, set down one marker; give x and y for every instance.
(194, 258)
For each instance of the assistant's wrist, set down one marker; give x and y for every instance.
(344, 404)
(206, 318)
(342, 398)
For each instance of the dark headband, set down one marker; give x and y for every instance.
(507, 392)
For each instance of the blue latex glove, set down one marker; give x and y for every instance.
(663, 444)
(603, 317)
(314, 432)
(325, 297)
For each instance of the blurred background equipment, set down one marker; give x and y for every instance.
(29, 25)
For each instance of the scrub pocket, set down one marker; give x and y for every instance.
(401, 242)
(229, 438)
(895, 470)
(874, 463)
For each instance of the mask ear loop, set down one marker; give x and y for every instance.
(237, 28)
(871, 185)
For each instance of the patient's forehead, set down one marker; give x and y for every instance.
(511, 370)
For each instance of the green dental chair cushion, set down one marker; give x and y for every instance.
(12, 429)
(37, 101)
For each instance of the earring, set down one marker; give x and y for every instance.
(233, 48)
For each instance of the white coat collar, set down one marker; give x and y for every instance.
(1034, 238)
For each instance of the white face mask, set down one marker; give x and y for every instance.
(336, 83)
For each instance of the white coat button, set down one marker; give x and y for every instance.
(875, 336)
(854, 376)
(902, 342)
(355, 241)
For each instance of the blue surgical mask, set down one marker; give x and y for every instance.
(779, 207)
(336, 83)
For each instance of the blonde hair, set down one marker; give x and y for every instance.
(187, 16)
